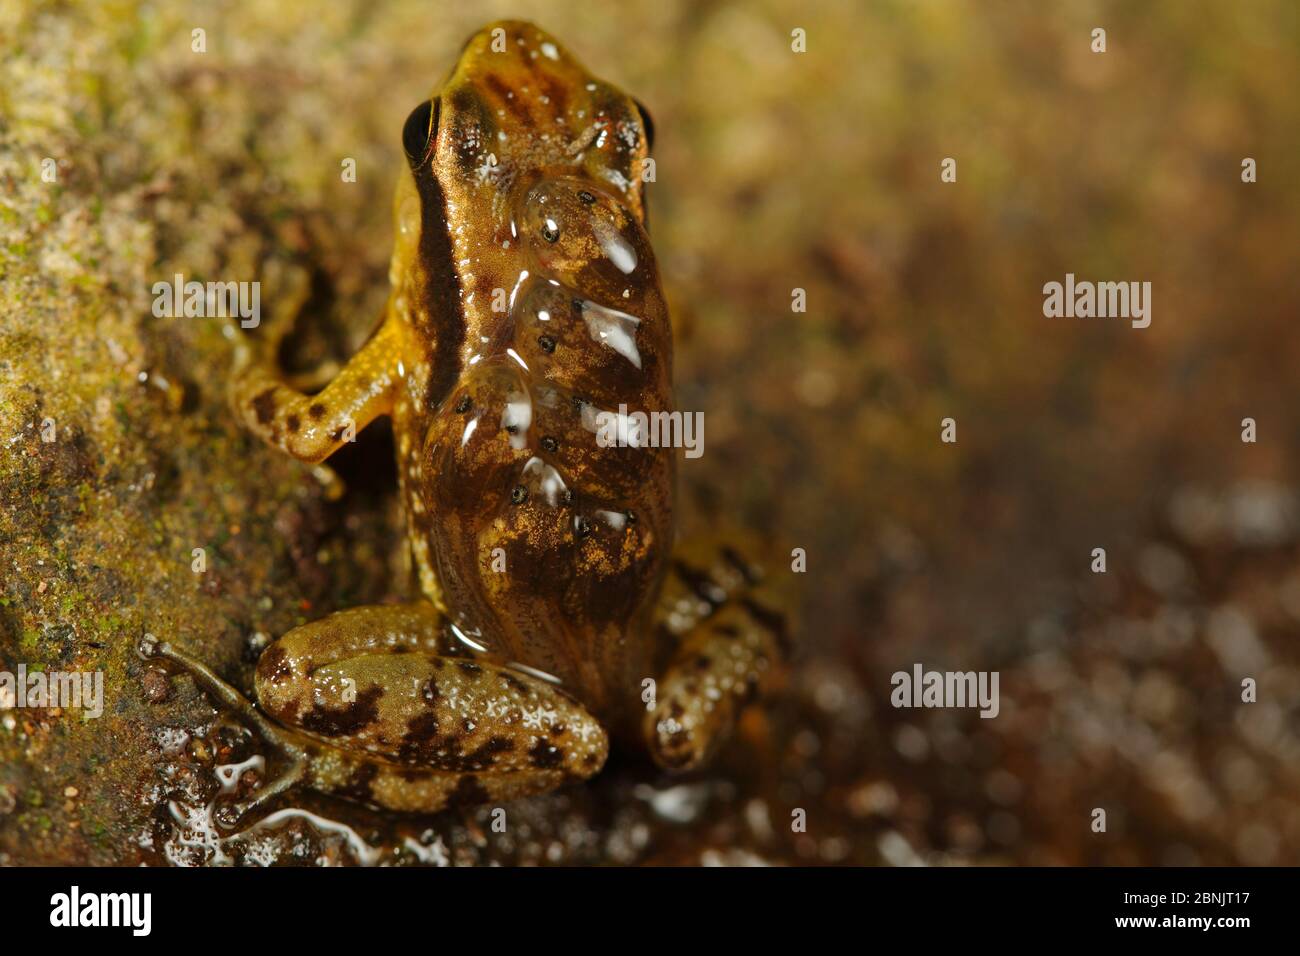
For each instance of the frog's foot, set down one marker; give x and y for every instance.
(296, 757)
(406, 726)
(730, 638)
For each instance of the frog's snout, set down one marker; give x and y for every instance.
(510, 40)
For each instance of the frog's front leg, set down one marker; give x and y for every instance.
(731, 635)
(312, 427)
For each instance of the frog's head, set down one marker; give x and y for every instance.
(520, 142)
(517, 106)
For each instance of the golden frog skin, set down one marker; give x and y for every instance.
(525, 301)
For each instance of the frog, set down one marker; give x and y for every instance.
(554, 614)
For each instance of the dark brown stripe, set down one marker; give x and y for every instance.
(733, 558)
(264, 406)
(468, 792)
(771, 621)
(556, 93)
(515, 104)
(345, 721)
(699, 582)
(439, 285)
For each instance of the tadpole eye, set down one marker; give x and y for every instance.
(647, 123)
(419, 131)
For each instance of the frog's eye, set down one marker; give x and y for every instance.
(646, 123)
(419, 131)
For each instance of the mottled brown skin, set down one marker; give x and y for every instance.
(525, 302)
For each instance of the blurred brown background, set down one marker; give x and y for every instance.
(775, 171)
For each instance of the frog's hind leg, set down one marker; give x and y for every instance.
(312, 427)
(731, 634)
(408, 724)
(295, 755)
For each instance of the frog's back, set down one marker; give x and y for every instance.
(531, 299)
